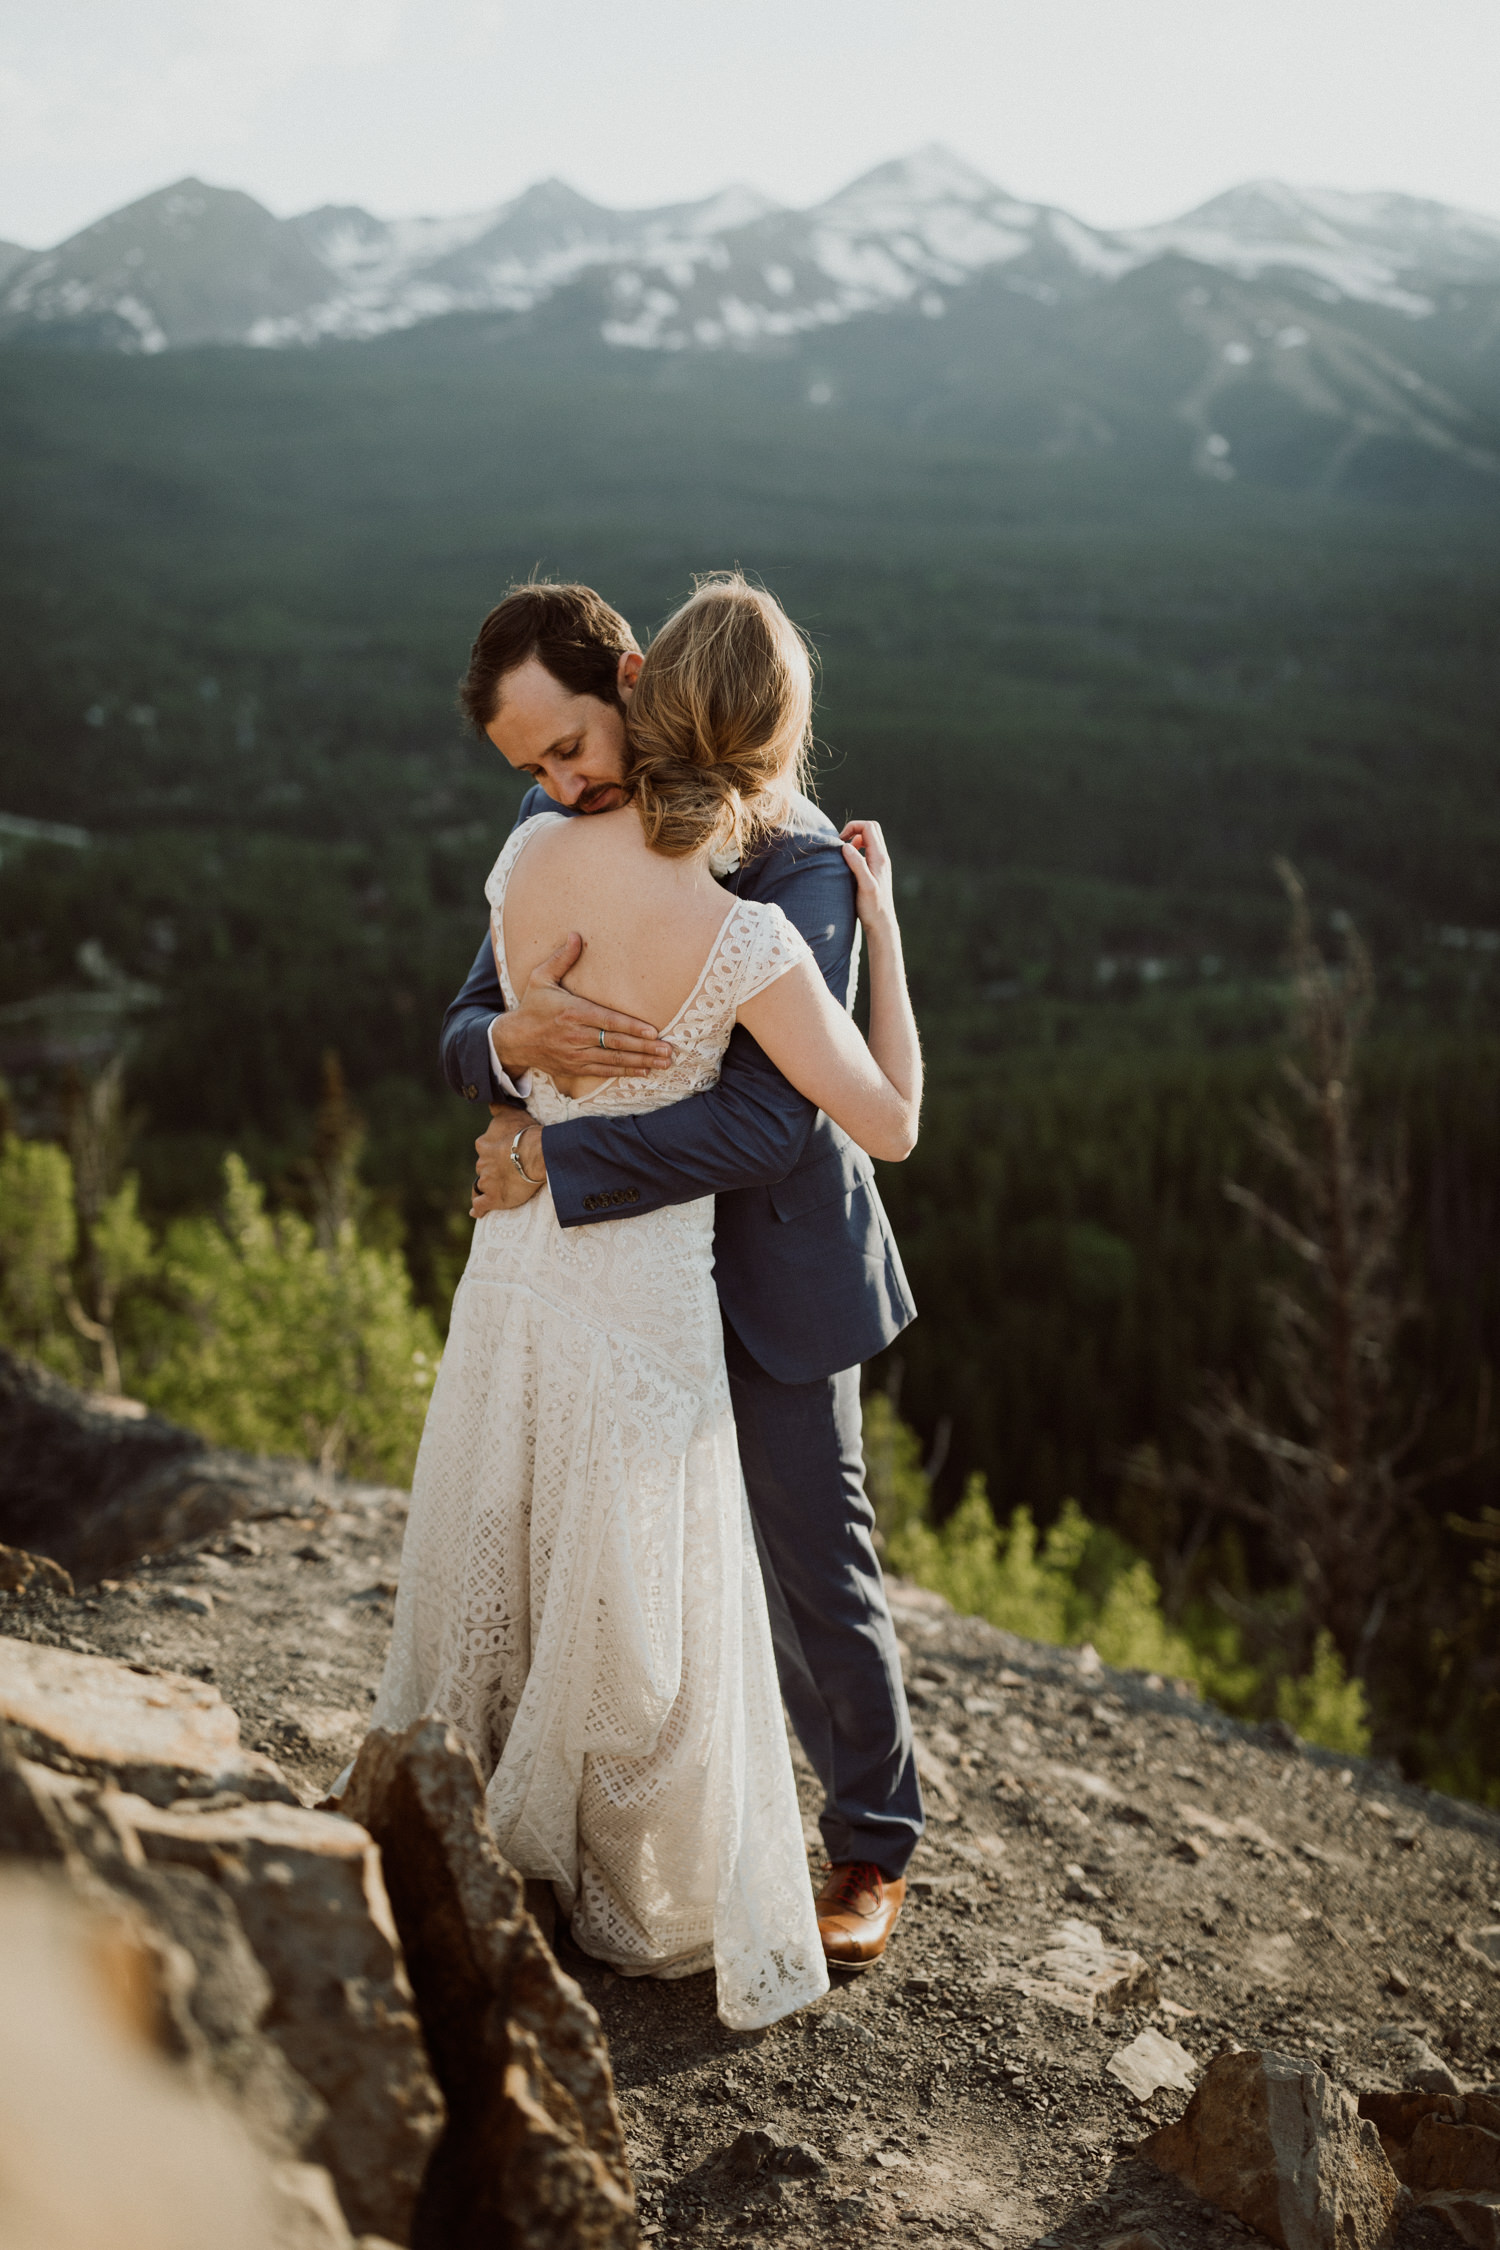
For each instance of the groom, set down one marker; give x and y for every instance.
(809, 1278)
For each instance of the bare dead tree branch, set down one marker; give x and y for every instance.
(1317, 1472)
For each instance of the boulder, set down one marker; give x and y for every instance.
(95, 1489)
(532, 2153)
(158, 1734)
(1473, 2214)
(277, 1966)
(212, 1994)
(1396, 2116)
(1446, 2147)
(1445, 2154)
(226, 2003)
(105, 2140)
(1275, 2143)
(306, 1888)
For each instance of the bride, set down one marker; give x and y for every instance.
(580, 1593)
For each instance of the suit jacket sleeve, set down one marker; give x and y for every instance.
(467, 1057)
(464, 1049)
(749, 1128)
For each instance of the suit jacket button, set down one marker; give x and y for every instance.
(631, 1195)
(472, 1092)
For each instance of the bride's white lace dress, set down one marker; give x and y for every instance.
(579, 1588)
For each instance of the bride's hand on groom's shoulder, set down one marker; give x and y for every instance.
(557, 1031)
(870, 864)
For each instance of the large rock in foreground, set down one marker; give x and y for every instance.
(533, 2155)
(368, 1994)
(279, 1971)
(158, 1734)
(308, 1892)
(1281, 2147)
(105, 2142)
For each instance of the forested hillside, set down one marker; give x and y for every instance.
(1091, 694)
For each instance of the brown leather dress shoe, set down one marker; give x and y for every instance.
(857, 1910)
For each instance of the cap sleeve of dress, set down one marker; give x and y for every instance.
(775, 946)
(520, 836)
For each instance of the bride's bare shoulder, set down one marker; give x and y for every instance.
(587, 835)
(592, 848)
(556, 840)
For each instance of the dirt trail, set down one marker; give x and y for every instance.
(1281, 1897)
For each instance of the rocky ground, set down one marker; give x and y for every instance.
(966, 2089)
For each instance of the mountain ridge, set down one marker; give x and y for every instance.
(192, 263)
(1277, 333)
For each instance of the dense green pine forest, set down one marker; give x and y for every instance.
(1091, 698)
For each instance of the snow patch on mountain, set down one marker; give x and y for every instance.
(1371, 248)
(733, 270)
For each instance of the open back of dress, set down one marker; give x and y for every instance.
(579, 1589)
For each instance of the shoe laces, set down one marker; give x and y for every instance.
(855, 1876)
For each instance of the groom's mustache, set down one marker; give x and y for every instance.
(601, 798)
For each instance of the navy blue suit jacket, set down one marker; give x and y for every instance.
(807, 1268)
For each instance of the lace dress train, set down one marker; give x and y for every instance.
(580, 1592)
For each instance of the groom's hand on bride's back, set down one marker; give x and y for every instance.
(557, 1031)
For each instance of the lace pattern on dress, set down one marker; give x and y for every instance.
(580, 1592)
(756, 944)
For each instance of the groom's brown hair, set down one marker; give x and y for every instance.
(570, 630)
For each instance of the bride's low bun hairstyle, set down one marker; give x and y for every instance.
(718, 729)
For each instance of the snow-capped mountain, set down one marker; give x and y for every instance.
(196, 264)
(1384, 249)
(1298, 335)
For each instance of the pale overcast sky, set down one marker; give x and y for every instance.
(1120, 110)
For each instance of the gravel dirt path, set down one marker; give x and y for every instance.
(1280, 1897)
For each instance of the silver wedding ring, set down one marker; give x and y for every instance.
(601, 1039)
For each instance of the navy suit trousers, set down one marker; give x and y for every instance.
(836, 1653)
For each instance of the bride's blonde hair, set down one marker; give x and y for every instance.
(718, 730)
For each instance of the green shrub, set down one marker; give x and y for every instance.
(1082, 1582)
(1040, 1588)
(38, 1239)
(1324, 1706)
(279, 1346)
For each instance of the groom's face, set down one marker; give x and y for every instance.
(574, 745)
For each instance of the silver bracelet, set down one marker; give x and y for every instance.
(515, 1157)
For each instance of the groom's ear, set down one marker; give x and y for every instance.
(628, 673)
